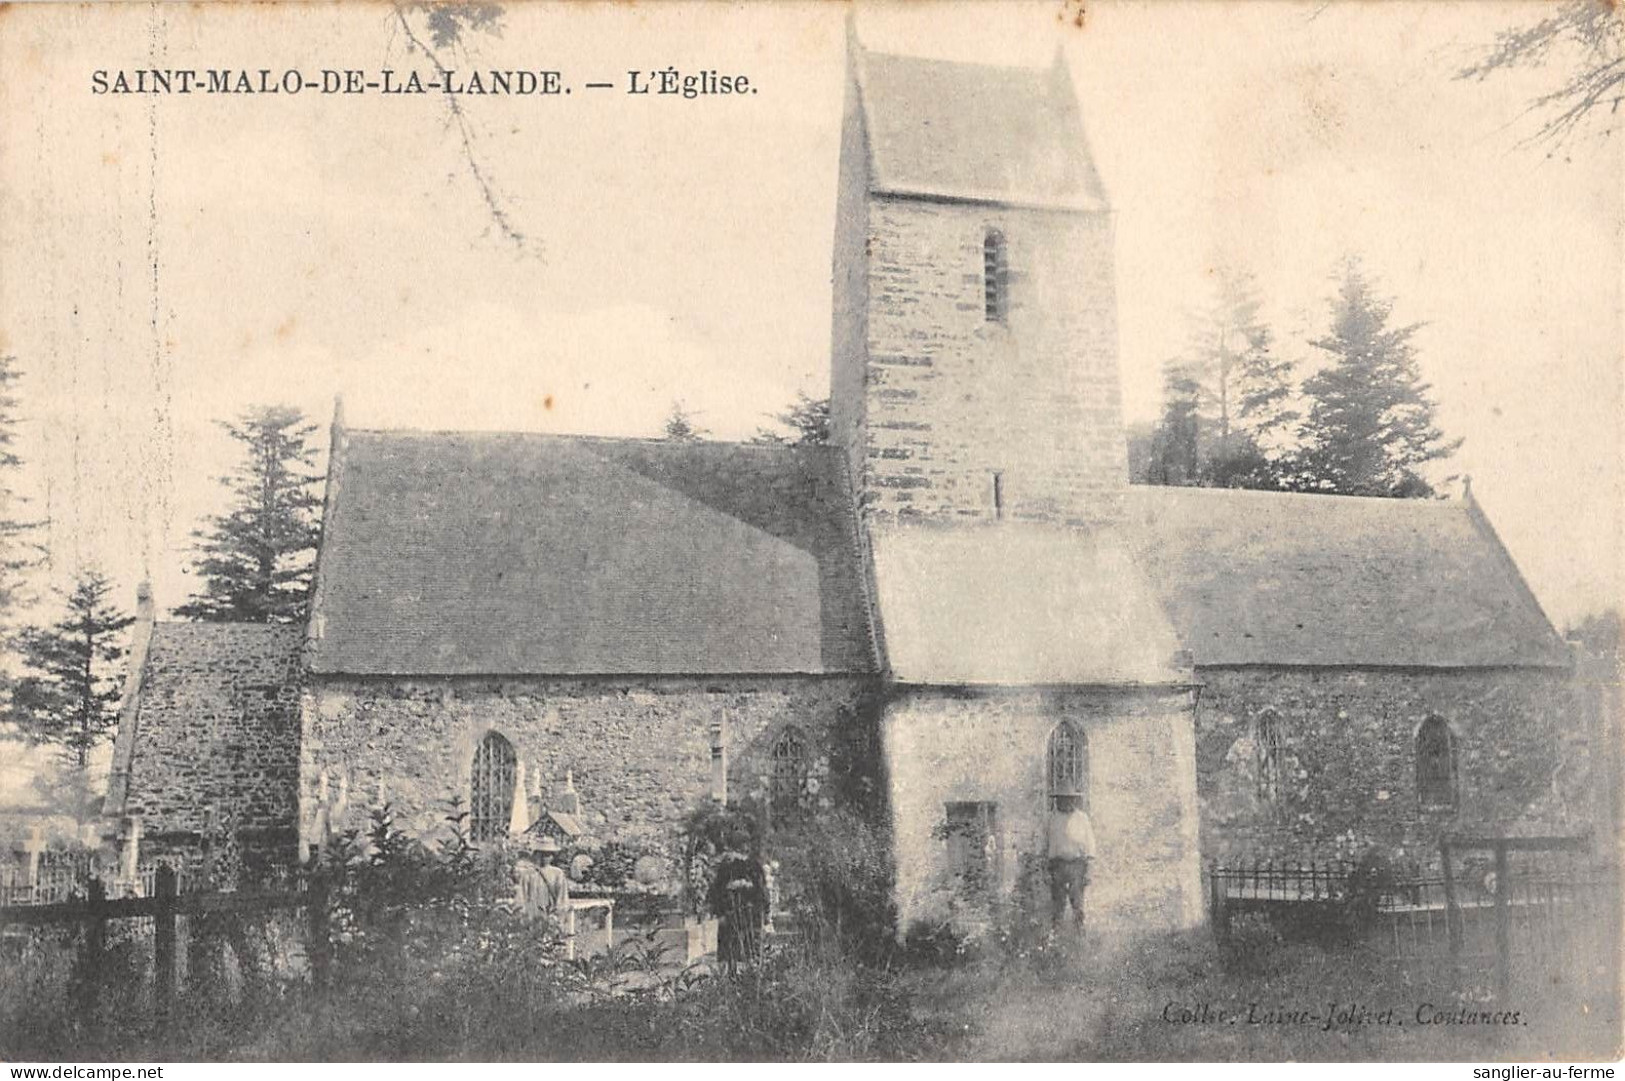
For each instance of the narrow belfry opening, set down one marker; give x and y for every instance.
(998, 495)
(995, 276)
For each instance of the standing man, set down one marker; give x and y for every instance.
(543, 888)
(1071, 851)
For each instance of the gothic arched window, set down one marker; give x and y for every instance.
(491, 788)
(995, 276)
(1270, 753)
(1435, 764)
(1066, 763)
(788, 790)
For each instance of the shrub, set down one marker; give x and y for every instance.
(796, 1005)
(937, 943)
(835, 877)
(705, 832)
(1372, 879)
(612, 864)
(1251, 945)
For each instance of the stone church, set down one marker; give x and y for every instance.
(963, 584)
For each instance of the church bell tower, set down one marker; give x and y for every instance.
(975, 373)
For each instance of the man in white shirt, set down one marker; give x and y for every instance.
(543, 889)
(1071, 851)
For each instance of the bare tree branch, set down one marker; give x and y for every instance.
(446, 23)
(1591, 31)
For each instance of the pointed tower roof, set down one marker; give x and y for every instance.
(940, 129)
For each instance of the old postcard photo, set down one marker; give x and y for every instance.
(1045, 531)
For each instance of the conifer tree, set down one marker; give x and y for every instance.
(1371, 422)
(74, 679)
(682, 426)
(807, 420)
(17, 553)
(1226, 399)
(1175, 442)
(256, 559)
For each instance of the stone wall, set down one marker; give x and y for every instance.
(638, 750)
(849, 286)
(950, 397)
(948, 746)
(213, 757)
(1347, 777)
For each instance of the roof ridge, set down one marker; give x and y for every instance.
(1037, 69)
(1329, 497)
(961, 131)
(213, 627)
(585, 437)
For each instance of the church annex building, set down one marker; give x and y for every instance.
(620, 629)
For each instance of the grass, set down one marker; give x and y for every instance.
(1093, 1001)
(1146, 1003)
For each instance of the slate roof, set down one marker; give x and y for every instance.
(1018, 604)
(975, 132)
(520, 554)
(215, 724)
(510, 553)
(1286, 579)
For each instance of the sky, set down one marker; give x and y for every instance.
(172, 260)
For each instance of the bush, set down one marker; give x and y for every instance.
(401, 902)
(1251, 945)
(612, 864)
(835, 877)
(796, 1005)
(937, 943)
(705, 833)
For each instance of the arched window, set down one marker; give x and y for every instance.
(1067, 763)
(995, 276)
(1270, 754)
(1435, 764)
(788, 791)
(491, 789)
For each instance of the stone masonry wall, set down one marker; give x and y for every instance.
(1348, 774)
(945, 746)
(951, 397)
(639, 750)
(849, 285)
(216, 747)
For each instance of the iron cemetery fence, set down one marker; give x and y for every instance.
(58, 881)
(1500, 901)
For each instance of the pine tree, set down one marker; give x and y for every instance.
(74, 679)
(1371, 420)
(1257, 387)
(1175, 442)
(17, 554)
(682, 427)
(256, 560)
(1226, 398)
(1138, 436)
(807, 420)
